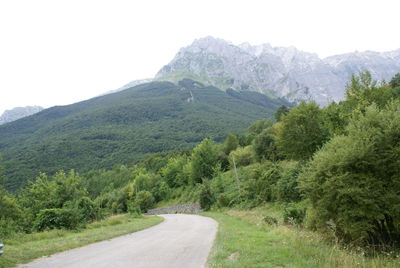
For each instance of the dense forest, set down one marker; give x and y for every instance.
(335, 169)
(124, 127)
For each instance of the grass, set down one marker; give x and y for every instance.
(23, 248)
(245, 240)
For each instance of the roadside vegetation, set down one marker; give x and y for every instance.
(248, 238)
(331, 173)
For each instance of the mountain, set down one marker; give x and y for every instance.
(18, 112)
(276, 71)
(129, 85)
(126, 126)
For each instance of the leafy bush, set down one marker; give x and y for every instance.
(270, 220)
(353, 181)
(204, 161)
(287, 189)
(222, 201)
(261, 187)
(207, 198)
(242, 156)
(145, 200)
(7, 228)
(134, 209)
(294, 214)
(264, 145)
(57, 218)
(88, 209)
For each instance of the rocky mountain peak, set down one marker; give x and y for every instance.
(18, 112)
(276, 71)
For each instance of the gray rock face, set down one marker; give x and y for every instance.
(277, 71)
(183, 208)
(18, 112)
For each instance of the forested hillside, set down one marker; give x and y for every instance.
(124, 127)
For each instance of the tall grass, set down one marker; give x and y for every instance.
(245, 240)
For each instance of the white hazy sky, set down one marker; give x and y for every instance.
(58, 52)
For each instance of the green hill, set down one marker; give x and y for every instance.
(125, 127)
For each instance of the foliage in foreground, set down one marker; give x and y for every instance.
(246, 239)
(353, 182)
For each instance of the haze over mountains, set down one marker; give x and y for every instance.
(276, 71)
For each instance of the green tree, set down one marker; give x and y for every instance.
(40, 194)
(204, 161)
(68, 187)
(243, 156)
(173, 172)
(281, 111)
(395, 81)
(145, 200)
(264, 145)
(353, 181)
(258, 126)
(358, 84)
(301, 132)
(207, 198)
(230, 144)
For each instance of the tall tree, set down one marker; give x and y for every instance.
(281, 111)
(301, 132)
(204, 161)
(231, 143)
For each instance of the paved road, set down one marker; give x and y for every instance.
(180, 241)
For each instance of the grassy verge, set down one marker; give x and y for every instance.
(25, 247)
(244, 240)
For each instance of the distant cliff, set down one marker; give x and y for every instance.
(276, 71)
(18, 112)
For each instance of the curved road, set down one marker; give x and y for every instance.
(179, 241)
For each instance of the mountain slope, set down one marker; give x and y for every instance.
(276, 71)
(18, 112)
(124, 127)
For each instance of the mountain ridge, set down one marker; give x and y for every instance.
(276, 71)
(124, 127)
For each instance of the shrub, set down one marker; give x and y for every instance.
(7, 228)
(270, 220)
(222, 201)
(242, 156)
(134, 209)
(294, 214)
(145, 200)
(264, 145)
(207, 198)
(57, 218)
(287, 189)
(88, 209)
(353, 181)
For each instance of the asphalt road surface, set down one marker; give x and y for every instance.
(180, 241)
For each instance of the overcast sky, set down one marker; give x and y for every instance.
(59, 52)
